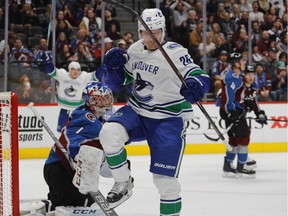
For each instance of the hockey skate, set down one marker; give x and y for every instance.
(120, 192)
(250, 164)
(228, 169)
(244, 173)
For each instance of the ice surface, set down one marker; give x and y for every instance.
(204, 191)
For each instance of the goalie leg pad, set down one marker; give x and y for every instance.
(79, 211)
(89, 160)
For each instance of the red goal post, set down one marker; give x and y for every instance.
(9, 163)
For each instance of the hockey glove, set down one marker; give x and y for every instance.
(261, 117)
(115, 58)
(46, 59)
(249, 105)
(194, 92)
(234, 116)
(87, 173)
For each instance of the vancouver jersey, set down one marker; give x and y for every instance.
(69, 91)
(83, 127)
(156, 89)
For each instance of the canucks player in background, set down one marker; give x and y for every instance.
(80, 138)
(70, 86)
(237, 96)
(156, 111)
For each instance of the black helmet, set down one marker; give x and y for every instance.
(249, 69)
(235, 57)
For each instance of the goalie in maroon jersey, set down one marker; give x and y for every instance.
(80, 138)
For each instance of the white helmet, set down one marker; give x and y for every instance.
(74, 65)
(154, 19)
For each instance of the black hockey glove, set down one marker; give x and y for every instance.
(233, 116)
(261, 117)
(249, 105)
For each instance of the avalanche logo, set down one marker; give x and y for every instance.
(90, 117)
(70, 92)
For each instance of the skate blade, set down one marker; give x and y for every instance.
(251, 167)
(245, 176)
(228, 175)
(124, 198)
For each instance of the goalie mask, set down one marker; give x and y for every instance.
(74, 65)
(154, 19)
(98, 97)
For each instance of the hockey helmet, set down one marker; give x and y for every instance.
(249, 69)
(74, 65)
(98, 96)
(154, 19)
(235, 57)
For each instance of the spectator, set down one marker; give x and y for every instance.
(212, 6)
(199, 9)
(257, 57)
(245, 6)
(264, 83)
(240, 40)
(112, 32)
(255, 14)
(69, 15)
(236, 14)
(81, 37)
(165, 8)
(24, 91)
(279, 85)
(282, 45)
(219, 69)
(256, 32)
(109, 21)
(83, 56)
(90, 24)
(276, 30)
(210, 47)
(244, 20)
(268, 22)
(264, 6)
(108, 45)
(63, 57)
(264, 43)
(179, 11)
(221, 44)
(227, 26)
(215, 32)
(30, 18)
(2, 19)
(129, 38)
(221, 11)
(195, 38)
(63, 25)
(15, 14)
(270, 65)
(61, 41)
(21, 55)
(121, 44)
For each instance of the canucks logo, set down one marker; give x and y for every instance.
(140, 85)
(70, 92)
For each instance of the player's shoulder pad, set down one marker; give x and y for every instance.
(172, 45)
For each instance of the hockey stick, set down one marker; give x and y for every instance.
(228, 128)
(278, 120)
(98, 196)
(177, 72)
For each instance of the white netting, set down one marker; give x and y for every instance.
(5, 155)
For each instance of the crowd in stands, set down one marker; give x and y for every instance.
(78, 36)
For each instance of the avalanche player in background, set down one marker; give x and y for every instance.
(238, 95)
(80, 138)
(70, 86)
(156, 111)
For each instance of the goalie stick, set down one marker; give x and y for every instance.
(98, 196)
(177, 72)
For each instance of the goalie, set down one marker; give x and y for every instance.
(80, 138)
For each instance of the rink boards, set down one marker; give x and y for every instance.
(35, 142)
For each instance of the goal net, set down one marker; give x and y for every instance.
(9, 175)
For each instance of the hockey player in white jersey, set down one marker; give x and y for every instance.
(156, 111)
(70, 86)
